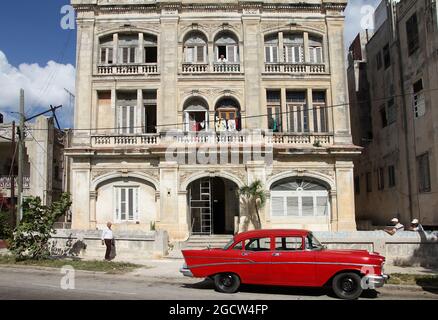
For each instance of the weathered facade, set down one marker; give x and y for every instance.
(43, 161)
(397, 174)
(158, 82)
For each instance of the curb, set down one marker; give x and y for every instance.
(410, 287)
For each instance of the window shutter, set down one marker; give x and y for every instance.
(190, 54)
(110, 55)
(289, 54)
(274, 54)
(103, 55)
(268, 54)
(230, 54)
(312, 55)
(319, 58)
(125, 55)
(117, 203)
(200, 54)
(292, 206)
(133, 55)
(131, 119)
(278, 206)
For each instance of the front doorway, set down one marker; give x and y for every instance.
(213, 205)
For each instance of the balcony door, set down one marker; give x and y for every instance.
(126, 119)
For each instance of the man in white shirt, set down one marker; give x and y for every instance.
(395, 227)
(107, 240)
(415, 226)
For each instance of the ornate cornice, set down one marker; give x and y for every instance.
(246, 8)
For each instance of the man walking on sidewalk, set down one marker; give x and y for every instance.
(107, 240)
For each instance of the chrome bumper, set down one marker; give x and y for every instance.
(186, 272)
(374, 281)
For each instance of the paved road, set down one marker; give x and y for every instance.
(46, 284)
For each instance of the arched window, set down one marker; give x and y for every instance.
(293, 47)
(226, 48)
(106, 50)
(227, 117)
(315, 50)
(196, 115)
(299, 197)
(195, 48)
(271, 48)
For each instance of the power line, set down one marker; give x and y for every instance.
(255, 116)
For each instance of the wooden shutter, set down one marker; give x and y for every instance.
(231, 53)
(200, 57)
(268, 54)
(278, 206)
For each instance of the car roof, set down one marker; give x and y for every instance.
(269, 233)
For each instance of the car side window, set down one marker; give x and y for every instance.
(238, 246)
(288, 243)
(258, 244)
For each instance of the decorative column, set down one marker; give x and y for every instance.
(169, 66)
(93, 218)
(309, 101)
(251, 31)
(306, 47)
(116, 48)
(281, 48)
(141, 57)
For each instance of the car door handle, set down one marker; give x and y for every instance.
(276, 254)
(244, 254)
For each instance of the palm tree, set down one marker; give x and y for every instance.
(254, 196)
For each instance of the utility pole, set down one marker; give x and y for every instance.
(21, 138)
(12, 177)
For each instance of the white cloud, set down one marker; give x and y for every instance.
(354, 16)
(43, 85)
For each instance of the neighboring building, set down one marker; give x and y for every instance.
(397, 173)
(217, 72)
(43, 161)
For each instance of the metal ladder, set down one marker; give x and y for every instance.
(203, 204)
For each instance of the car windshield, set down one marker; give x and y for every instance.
(229, 244)
(312, 243)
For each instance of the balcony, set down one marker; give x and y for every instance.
(5, 182)
(154, 140)
(287, 68)
(128, 69)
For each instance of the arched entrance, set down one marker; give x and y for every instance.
(213, 204)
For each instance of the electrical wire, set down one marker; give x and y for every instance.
(255, 116)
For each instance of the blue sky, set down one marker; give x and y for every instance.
(30, 32)
(38, 55)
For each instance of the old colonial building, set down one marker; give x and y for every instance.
(261, 85)
(396, 119)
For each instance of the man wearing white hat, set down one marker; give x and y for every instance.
(394, 227)
(415, 226)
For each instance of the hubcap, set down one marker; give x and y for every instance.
(227, 281)
(348, 284)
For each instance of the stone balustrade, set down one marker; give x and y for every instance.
(5, 182)
(273, 68)
(129, 69)
(195, 68)
(226, 68)
(147, 140)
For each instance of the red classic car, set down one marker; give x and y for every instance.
(286, 258)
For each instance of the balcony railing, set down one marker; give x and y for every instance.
(289, 68)
(226, 68)
(151, 140)
(125, 141)
(128, 69)
(195, 68)
(5, 182)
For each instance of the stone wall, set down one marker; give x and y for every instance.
(129, 246)
(403, 249)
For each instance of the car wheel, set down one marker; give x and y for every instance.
(227, 282)
(347, 285)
